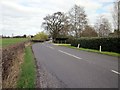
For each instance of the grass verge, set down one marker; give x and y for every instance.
(28, 72)
(90, 50)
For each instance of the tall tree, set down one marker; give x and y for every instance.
(103, 26)
(55, 23)
(65, 31)
(78, 19)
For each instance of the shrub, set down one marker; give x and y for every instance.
(41, 36)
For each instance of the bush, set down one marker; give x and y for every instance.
(107, 44)
(41, 36)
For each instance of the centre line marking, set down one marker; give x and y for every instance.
(69, 54)
(50, 47)
(115, 72)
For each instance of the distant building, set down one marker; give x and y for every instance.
(30, 36)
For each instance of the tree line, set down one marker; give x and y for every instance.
(75, 24)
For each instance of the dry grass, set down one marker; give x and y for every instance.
(11, 81)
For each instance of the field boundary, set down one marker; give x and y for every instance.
(12, 57)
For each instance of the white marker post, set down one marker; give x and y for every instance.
(78, 46)
(100, 48)
(65, 41)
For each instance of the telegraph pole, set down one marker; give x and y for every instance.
(76, 21)
(12, 35)
(118, 16)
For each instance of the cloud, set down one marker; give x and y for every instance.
(26, 16)
(89, 4)
(21, 25)
(106, 1)
(22, 9)
(97, 8)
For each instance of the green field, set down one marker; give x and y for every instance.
(10, 41)
(28, 72)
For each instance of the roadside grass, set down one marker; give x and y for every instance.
(4, 42)
(90, 50)
(28, 72)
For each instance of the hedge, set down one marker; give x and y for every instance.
(60, 40)
(11, 60)
(108, 44)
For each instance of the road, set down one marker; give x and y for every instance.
(78, 69)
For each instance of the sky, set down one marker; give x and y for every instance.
(19, 17)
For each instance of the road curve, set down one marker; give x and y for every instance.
(75, 68)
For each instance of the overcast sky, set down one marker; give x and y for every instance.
(20, 17)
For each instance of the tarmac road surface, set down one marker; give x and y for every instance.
(77, 69)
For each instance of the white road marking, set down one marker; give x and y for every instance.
(115, 72)
(69, 54)
(50, 47)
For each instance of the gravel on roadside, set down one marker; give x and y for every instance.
(46, 79)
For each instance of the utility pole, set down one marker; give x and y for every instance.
(12, 35)
(76, 21)
(118, 15)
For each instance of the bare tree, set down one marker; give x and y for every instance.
(55, 23)
(102, 26)
(77, 19)
(65, 31)
(89, 32)
(115, 14)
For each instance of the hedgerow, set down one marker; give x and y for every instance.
(108, 44)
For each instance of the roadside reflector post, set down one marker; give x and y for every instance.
(65, 41)
(100, 48)
(78, 46)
